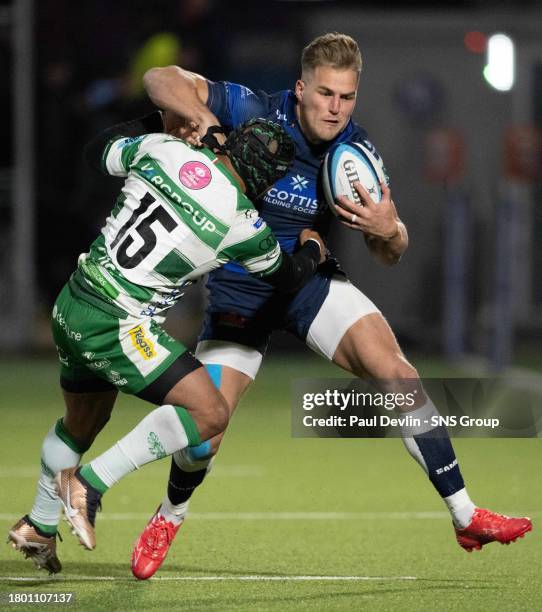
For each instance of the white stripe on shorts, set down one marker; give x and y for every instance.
(242, 358)
(343, 306)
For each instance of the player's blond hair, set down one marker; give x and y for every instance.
(332, 49)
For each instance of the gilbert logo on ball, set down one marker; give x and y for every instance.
(347, 163)
(195, 175)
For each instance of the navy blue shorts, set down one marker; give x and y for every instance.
(246, 310)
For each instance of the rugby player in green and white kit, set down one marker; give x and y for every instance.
(181, 213)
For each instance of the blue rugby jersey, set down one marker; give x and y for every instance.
(292, 203)
(289, 206)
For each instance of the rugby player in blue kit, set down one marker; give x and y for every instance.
(333, 317)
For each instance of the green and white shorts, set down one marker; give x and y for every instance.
(102, 348)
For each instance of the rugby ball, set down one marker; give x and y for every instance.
(345, 164)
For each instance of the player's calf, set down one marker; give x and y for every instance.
(162, 432)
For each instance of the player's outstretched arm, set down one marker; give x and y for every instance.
(385, 234)
(182, 93)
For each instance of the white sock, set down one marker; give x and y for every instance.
(174, 514)
(56, 455)
(159, 434)
(461, 508)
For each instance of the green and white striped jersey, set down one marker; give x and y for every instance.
(180, 214)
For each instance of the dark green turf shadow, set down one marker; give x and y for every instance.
(329, 595)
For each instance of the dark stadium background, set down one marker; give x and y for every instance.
(87, 59)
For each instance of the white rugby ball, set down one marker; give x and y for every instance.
(345, 164)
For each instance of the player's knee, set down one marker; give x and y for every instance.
(218, 415)
(402, 377)
(399, 368)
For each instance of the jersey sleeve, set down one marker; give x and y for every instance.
(119, 154)
(234, 104)
(251, 243)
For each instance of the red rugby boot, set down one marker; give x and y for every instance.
(152, 546)
(487, 526)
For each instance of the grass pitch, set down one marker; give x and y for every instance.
(302, 524)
